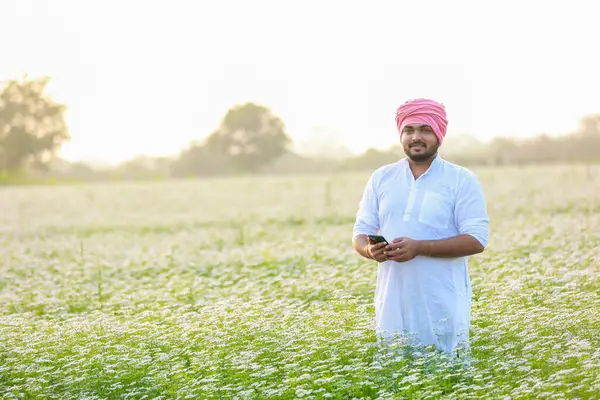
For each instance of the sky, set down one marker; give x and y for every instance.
(149, 77)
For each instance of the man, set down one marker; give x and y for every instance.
(433, 215)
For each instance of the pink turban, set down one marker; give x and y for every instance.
(423, 111)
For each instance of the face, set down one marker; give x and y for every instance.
(419, 142)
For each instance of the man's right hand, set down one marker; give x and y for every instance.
(375, 251)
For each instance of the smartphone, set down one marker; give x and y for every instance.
(377, 239)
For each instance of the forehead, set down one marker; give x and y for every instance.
(413, 126)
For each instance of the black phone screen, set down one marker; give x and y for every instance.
(377, 239)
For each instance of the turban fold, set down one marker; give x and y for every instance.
(423, 111)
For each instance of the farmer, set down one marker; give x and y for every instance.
(433, 215)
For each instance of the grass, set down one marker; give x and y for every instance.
(249, 288)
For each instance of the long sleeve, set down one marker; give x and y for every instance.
(470, 210)
(367, 216)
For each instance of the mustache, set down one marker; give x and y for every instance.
(417, 144)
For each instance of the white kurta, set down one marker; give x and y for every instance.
(430, 298)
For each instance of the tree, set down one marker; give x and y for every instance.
(249, 136)
(32, 127)
(590, 125)
(588, 139)
(143, 167)
(196, 160)
(503, 150)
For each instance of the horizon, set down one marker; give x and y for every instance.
(186, 64)
(449, 148)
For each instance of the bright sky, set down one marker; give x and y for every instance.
(148, 77)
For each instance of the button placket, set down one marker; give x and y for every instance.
(410, 204)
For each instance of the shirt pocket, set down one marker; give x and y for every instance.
(436, 209)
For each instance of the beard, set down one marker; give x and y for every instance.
(419, 154)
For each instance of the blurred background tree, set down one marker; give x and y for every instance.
(250, 139)
(32, 127)
(197, 160)
(249, 136)
(588, 139)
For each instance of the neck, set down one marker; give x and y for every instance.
(418, 168)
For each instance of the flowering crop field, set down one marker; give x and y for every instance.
(249, 288)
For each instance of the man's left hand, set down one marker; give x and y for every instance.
(402, 249)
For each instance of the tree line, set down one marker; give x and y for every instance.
(249, 139)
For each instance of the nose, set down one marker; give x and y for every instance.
(416, 137)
